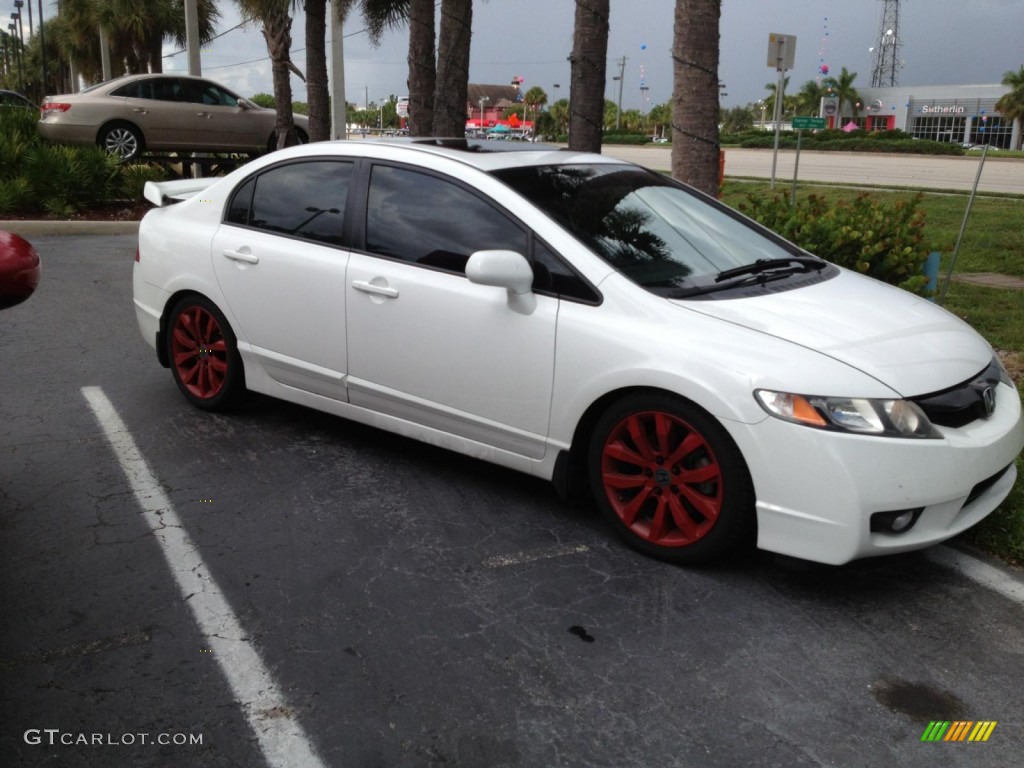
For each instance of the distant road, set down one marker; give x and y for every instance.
(927, 171)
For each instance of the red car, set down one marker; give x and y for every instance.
(19, 269)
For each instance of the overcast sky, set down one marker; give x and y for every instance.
(944, 42)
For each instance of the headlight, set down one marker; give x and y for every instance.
(1004, 375)
(887, 418)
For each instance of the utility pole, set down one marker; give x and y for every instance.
(618, 104)
(195, 67)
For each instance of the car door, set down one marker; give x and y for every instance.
(424, 343)
(158, 107)
(280, 264)
(220, 120)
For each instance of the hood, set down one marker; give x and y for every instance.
(906, 342)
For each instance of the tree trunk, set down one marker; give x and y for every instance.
(586, 89)
(422, 74)
(695, 99)
(317, 93)
(277, 31)
(453, 68)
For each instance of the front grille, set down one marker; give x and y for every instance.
(985, 484)
(960, 405)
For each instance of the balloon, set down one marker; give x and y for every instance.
(824, 69)
(643, 46)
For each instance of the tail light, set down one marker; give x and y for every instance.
(53, 106)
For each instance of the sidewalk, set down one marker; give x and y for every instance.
(991, 280)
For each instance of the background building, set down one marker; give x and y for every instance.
(964, 114)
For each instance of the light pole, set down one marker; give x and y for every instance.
(42, 48)
(483, 100)
(18, 30)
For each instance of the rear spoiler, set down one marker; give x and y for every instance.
(160, 193)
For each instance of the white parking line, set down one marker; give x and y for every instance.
(981, 572)
(281, 738)
(532, 555)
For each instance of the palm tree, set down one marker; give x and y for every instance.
(842, 88)
(135, 32)
(660, 118)
(318, 93)
(277, 31)
(586, 89)
(1012, 104)
(535, 98)
(695, 106)
(769, 101)
(452, 67)
(422, 69)
(808, 100)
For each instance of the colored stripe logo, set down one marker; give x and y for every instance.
(958, 730)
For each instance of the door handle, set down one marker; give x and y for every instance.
(140, 111)
(378, 290)
(248, 258)
(203, 114)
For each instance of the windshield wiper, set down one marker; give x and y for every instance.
(803, 264)
(739, 282)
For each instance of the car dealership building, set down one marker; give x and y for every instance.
(964, 114)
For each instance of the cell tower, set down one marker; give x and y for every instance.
(885, 59)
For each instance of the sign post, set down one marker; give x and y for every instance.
(801, 124)
(781, 55)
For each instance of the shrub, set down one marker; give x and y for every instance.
(625, 138)
(36, 175)
(133, 179)
(884, 240)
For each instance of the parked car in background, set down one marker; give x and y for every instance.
(15, 99)
(587, 321)
(19, 269)
(164, 112)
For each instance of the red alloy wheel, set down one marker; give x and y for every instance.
(662, 478)
(199, 352)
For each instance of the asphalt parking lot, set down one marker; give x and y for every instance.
(294, 589)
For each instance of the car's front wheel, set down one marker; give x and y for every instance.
(203, 354)
(123, 140)
(670, 479)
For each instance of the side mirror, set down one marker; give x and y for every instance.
(503, 269)
(508, 270)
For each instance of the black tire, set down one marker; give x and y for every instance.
(642, 450)
(203, 355)
(123, 140)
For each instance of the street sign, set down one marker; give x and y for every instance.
(781, 51)
(808, 123)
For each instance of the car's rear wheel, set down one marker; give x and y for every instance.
(670, 480)
(203, 354)
(123, 140)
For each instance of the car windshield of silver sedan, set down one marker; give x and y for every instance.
(660, 234)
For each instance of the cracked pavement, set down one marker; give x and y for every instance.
(418, 608)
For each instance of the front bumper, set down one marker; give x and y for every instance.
(816, 490)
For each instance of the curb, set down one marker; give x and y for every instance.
(37, 228)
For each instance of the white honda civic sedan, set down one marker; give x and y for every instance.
(590, 322)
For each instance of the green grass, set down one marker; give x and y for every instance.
(993, 242)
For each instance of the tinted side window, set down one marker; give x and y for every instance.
(241, 203)
(421, 218)
(552, 275)
(202, 92)
(304, 200)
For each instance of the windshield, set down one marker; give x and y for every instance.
(658, 233)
